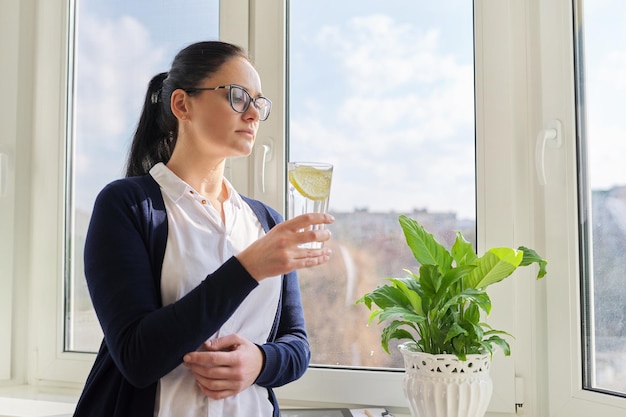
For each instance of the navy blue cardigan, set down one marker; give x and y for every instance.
(144, 340)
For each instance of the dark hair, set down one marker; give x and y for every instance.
(157, 130)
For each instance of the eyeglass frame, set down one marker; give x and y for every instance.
(230, 97)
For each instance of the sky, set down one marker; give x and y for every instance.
(389, 102)
(605, 57)
(383, 91)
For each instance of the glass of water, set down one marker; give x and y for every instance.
(308, 191)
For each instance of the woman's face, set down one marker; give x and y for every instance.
(209, 123)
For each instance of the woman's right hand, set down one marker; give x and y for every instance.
(278, 252)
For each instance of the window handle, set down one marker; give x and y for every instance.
(263, 156)
(550, 137)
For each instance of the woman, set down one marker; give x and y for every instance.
(193, 284)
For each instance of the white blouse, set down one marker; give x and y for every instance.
(198, 243)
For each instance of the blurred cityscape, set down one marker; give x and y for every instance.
(609, 288)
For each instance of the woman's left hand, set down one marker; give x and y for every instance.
(229, 365)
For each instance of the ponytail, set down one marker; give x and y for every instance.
(155, 136)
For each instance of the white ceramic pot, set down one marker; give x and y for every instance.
(444, 386)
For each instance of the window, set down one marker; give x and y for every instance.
(119, 47)
(524, 79)
(581, 60)
(390, 102)
(376, 109)
(601, 46)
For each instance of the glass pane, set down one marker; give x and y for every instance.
(119, 47)
(602, 88)
(385, 92)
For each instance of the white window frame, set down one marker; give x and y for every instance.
(564, 350)
(524, 79)
(47, 249)
(9, 37)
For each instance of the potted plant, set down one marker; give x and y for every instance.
(438, 310)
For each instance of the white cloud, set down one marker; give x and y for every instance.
(113, 56)
(402, 133)
(409, 55)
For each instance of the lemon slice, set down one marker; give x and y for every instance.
(311, 182)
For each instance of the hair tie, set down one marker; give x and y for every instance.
(156, 96)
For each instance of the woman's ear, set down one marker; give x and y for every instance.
(180, 105)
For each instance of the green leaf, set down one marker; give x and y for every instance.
(400, 313)
(456, 274)
(459, 347)
(393, 331)
(454, 331)
(474, 330)
(530, 257)
(472, 313)
(486, 347)
(448, 289)
(411, 294)
(462, 251)
(426, 250)
(430, 279)
(413, 282)
(495, 332)
(385, 296)
(365, 300)
(495, 265)
(471, 295)
(501, 343)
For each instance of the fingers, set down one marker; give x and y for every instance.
(313, 234)
(216, 373)
(212, 390)
(224, 343)
(217, 386)
(208, 359)
(305, 220)
(308, 228)
(280, 251)
(307, 258)
(229, 365)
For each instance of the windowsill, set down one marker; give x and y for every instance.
(30, 401)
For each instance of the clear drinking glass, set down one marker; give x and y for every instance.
(308, 191)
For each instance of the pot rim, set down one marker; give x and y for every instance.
(409, 347)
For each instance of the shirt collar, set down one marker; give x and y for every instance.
(175, 187)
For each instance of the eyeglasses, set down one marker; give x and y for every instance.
(240, 99)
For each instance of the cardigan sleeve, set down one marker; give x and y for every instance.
(147, 340)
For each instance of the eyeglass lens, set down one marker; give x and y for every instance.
(240, 101)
